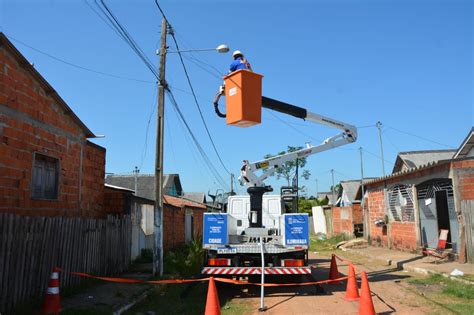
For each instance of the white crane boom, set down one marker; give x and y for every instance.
(249, 171)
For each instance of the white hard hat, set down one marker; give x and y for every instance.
(236, 53)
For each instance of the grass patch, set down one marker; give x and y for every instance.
(461, 308)
(450, 287)
(468, 278)
(186, 299)
(327, 244)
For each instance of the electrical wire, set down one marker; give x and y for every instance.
(125, 35)
(198, 106)
(196, 142)
(377, 156)
(192, 90)
(152, 112)
(420, 137)
(75, 65)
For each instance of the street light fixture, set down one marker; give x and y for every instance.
(220, 49)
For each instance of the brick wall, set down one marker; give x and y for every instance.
(344, 218)
(174, 225)
(357, 215)
(403, 236)
(376, 207)
(465, 178)
(32, 121)
(114, 201)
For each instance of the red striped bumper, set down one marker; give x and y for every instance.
(256, 270)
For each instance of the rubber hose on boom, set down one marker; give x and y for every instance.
(216, 106)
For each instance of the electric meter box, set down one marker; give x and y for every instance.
(243, 95)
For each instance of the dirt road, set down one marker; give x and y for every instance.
(389, 295)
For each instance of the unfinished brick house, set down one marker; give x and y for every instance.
(47, 165)
(347, 214)
(182, 218)
(427, 191)
(182, 221)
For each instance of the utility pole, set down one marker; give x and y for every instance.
(158, 213)
(361, 173)
(333, 188)
(231, 184)
(316, 189)
(135, 172)
(379, 127)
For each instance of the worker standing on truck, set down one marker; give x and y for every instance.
(239, 62)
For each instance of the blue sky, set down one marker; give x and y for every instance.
(408, 64)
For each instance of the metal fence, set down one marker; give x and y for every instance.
(31, 246)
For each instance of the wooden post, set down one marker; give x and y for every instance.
(158, 213)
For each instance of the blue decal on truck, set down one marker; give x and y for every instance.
(296, 229)
(215, 229)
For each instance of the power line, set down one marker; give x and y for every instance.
(196, 142)
(125, 35)
(390, 140)
(198, 106)
(75, 65)
(377, 156)
(192, 89)
(420, 137)
(145, 145)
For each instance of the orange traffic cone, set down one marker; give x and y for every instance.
(212, 302)
(366, 306)
(352, 293)
(333, 272)
(52, 300)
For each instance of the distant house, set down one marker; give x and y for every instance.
(146, 184)
(182, 221)
(347, 213)
(182, 217)
(329, 196)
(120, 200)
(407, 208)
(48, 167)
(414, 159)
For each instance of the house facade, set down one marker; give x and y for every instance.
(182, 221)
(407, 209)
(48, 167)
(347, 215)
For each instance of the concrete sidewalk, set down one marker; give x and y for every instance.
(412, 262)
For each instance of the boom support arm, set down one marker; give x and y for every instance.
(248, 172)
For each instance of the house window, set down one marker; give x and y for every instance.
(45, 177)
(401, 207)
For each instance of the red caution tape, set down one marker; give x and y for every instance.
(278, 284)
(224, 280)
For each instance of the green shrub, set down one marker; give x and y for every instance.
(185, 261)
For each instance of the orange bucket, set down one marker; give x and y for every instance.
(243, 95)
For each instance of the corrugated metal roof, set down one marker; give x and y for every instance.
(415, 159)
(195, 196)
(409, 171)
(145, 184)
(350, 187)
(466, 146)
(119, 188)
